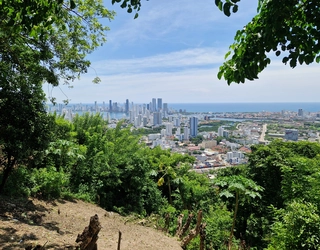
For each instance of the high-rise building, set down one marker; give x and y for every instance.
(186, 133)
(127, 106)
(115, 107)
(300, 112)
(145, 121)
(159, 104)
(177, 122)
(165, 107)
(110, 105)
(157, 118)
(131, 115)
(220, 131)
(144, 109)
(169, 127)
(193, 126)
(154, 105)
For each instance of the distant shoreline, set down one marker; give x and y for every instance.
(234, 107)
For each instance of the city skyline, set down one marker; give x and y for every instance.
(174, 50)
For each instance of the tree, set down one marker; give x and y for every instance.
(287, 171)
(287, 27)
(296, 227)
(40, 41)
(51, 38)
(234, 186)
(166, 165)
(24, 125)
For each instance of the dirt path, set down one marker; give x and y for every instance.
(57, 225)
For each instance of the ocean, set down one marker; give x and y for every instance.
(246, 107)
(231, 107)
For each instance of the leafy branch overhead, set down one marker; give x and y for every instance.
(130, 5)
(288, 28)
(51, 38)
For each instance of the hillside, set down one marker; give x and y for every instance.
(57, 224)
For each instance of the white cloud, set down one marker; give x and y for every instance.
(176, 60)
(276, 84)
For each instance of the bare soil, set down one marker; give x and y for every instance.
(56, 225)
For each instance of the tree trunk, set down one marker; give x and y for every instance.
(185, 226)
(202, 233)
(89, 236)
(179, 226)
(6, 172)
(193, 233)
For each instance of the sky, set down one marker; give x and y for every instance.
(173, 51)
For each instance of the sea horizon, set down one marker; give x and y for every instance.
(225, 107)
(246, 107)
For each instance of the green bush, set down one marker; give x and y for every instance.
(48, 182)
(18, 184)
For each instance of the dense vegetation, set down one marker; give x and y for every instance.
(271, 203)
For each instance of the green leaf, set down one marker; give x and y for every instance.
(293, 62)
(285, 59)
(226, 56)
(136, 15)
(226, 9)
(301, 59)
(217, 2)
(278, 53)
(235, 8)
(226, 193)
(72, 4)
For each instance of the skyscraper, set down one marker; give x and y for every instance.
(110, 105)
(159, 104)
(220, 131)
(154, 105)
(127, 106)
(157, 120)
(169, 127)
(165, 107)
(193, 126)
(186, 133)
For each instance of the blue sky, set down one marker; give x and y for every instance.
(173, 51)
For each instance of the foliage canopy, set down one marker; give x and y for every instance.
(50, 38)
(288, 28)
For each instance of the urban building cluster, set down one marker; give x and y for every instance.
(153, 114)
(218, 148)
